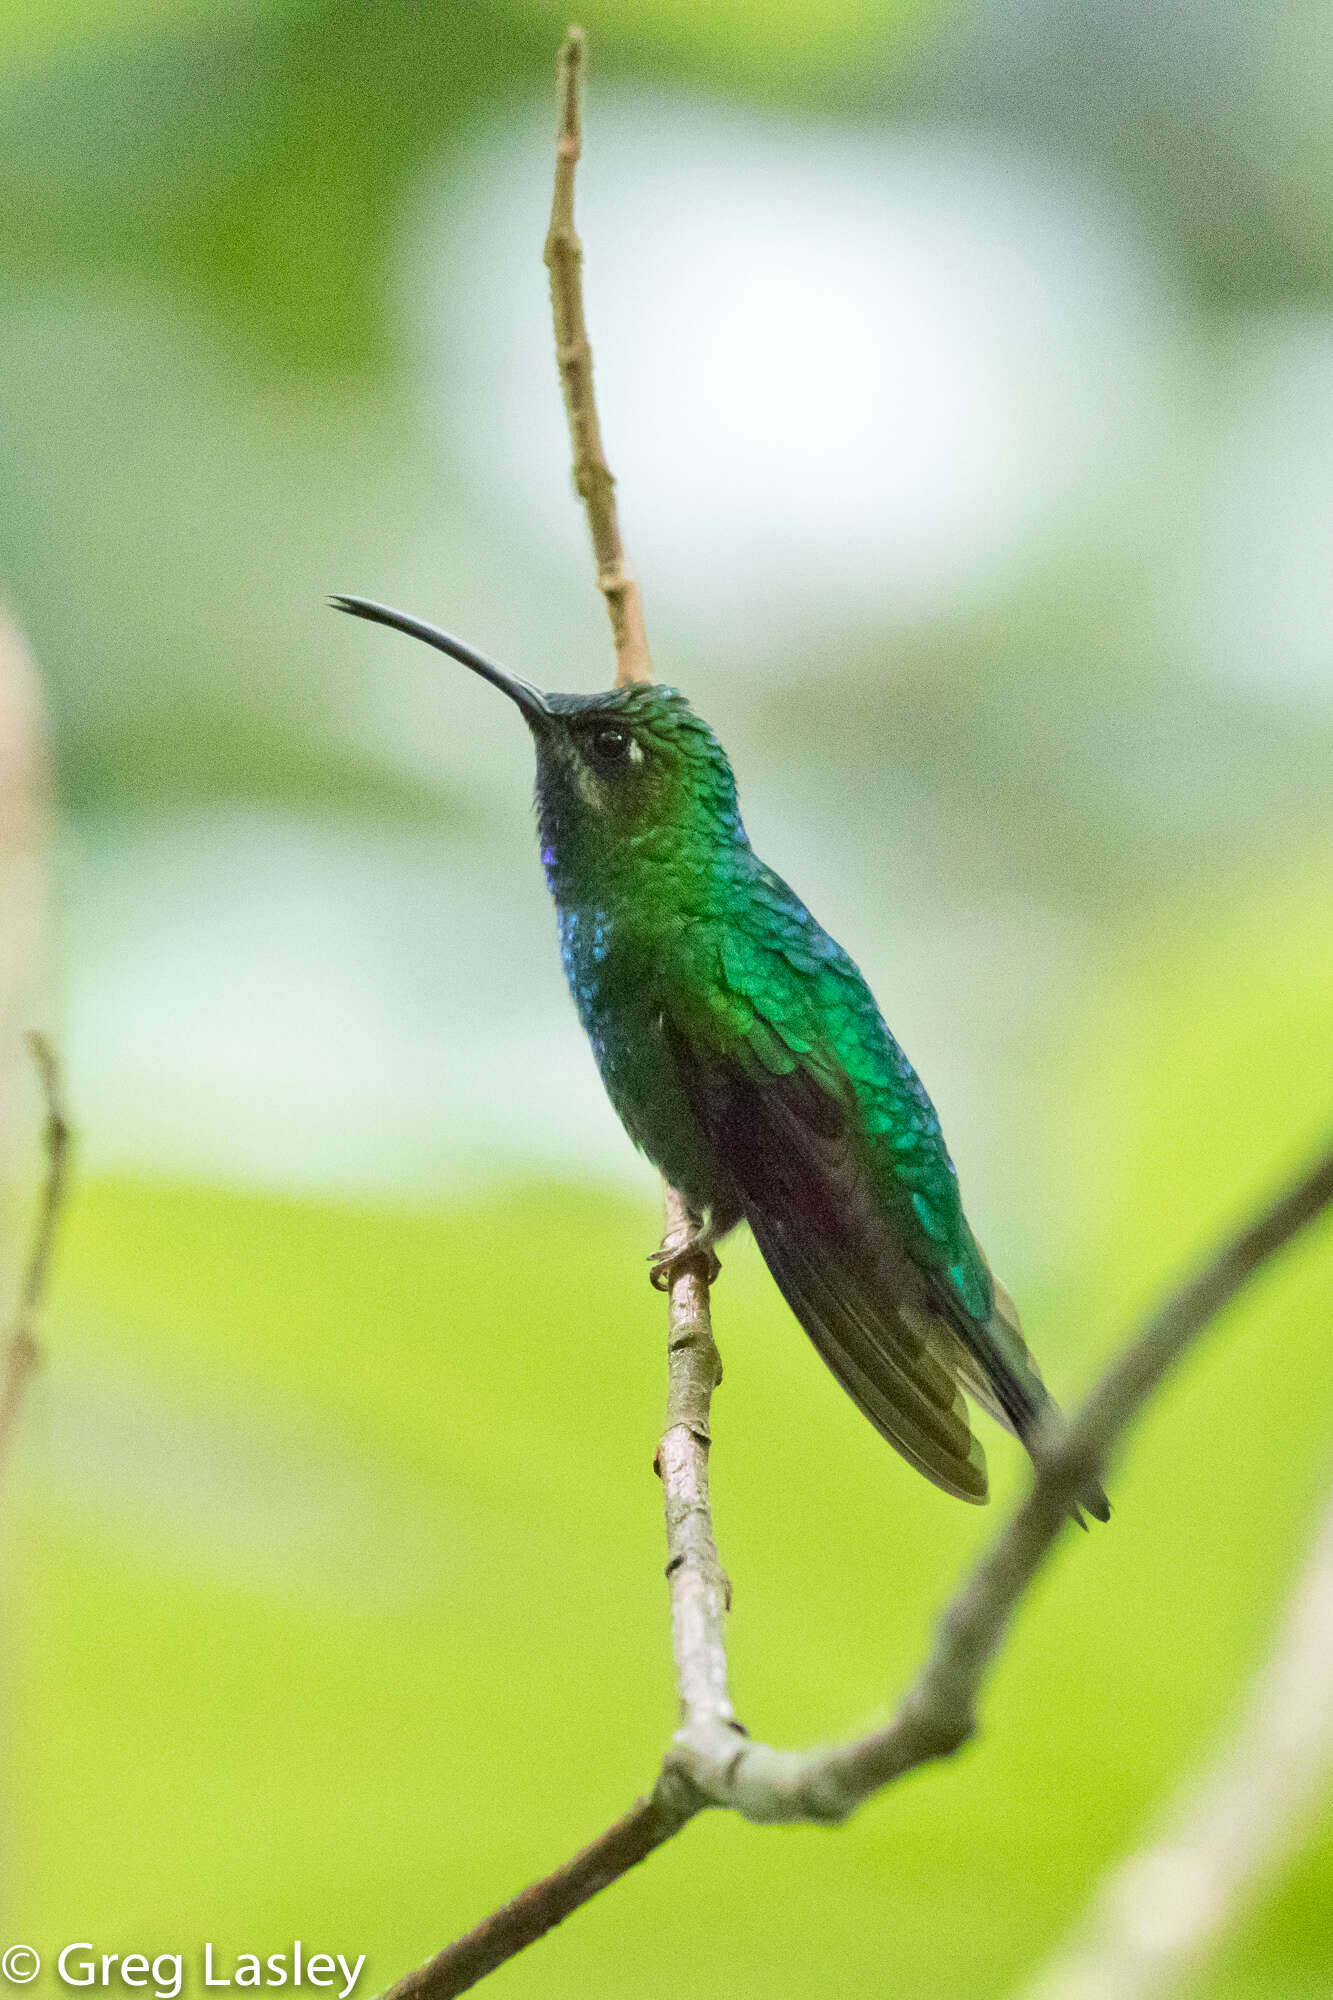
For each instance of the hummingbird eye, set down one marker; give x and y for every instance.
(610, 743)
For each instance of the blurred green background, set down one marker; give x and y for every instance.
(969, 375)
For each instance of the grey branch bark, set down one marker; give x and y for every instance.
(711, 1761)
(700, 1593)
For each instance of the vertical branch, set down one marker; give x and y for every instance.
(23, 1355)
(699, 1588)
(593, 480)
(700, 1592)
(25, 812)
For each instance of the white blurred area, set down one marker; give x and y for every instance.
(1251, 606)
(856, 388)
(303, 1005)
(845, 378)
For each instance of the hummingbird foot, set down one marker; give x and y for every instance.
(667, 1262)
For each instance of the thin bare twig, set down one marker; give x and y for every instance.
(1158, 1913)
(573, 353)
(539, 1909)
(711, 1761)
(23, 1356)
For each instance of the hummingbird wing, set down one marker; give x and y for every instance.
(784, 1145)
(837, 1156)
(780, 1109)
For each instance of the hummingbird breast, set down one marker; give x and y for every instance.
(615, 978)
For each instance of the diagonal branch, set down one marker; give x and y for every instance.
(23, 1356)
(709, 1764)
(936, 1716)
(539, 1909)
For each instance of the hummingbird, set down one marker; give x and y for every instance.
(745, 1056)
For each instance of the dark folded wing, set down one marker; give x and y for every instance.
(789, 1144)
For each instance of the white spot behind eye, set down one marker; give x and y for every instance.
(635, 751)
(589, 790)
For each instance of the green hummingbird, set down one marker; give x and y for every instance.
(745, 1055)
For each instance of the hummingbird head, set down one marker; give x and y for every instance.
(627, 781)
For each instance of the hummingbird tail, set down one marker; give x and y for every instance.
(995, 1367)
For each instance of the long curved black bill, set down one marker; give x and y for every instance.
(530, 699)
